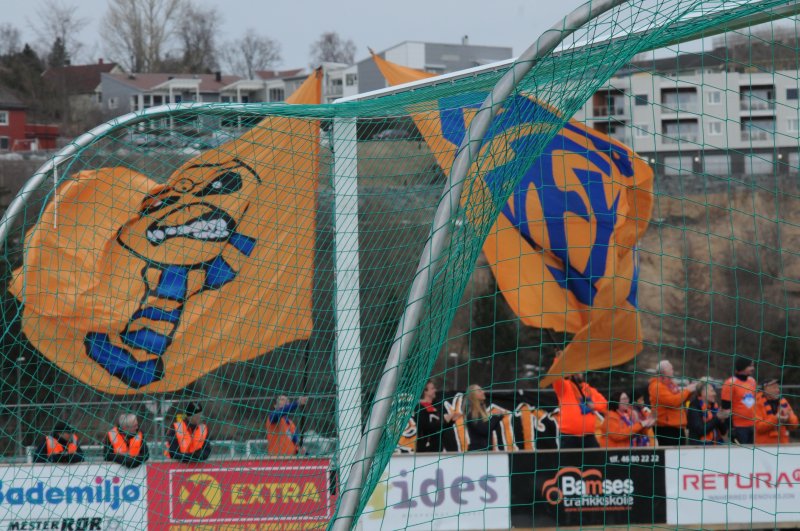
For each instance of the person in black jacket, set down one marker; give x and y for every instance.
(704, 420)
(480, 424)
(431, 421)
(60, 447)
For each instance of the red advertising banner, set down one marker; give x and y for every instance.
(272, 494)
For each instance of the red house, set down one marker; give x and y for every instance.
(18, 135)
(12, 120)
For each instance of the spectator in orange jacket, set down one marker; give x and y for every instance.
(578, 404)
(282, 435)
(620, 428)
(668, 401)
(774, 416)
(739, 396)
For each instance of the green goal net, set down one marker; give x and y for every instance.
(554, 292)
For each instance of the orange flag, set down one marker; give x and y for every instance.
(133, 286)
(563, 249)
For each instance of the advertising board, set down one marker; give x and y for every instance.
(73, 497)
(272, 494)
(448, 491)
(733, 485)
(596, 487)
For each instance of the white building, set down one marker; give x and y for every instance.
(705, 112)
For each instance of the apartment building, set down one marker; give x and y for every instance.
(704, 112)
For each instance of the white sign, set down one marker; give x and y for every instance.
(459, 491)
(73, 497)
(736, 485)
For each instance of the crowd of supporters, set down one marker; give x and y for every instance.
(662, 413)
(187, 438)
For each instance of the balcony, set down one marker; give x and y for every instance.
(756, 105)
(334, 90)
(608, 111)
(675, 107)
(754, 135)
(674, 138)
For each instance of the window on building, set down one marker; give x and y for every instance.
(4, 142)
(794, 125)
(677, 165)
(158, 99)
(641, 130)
(794, 162)
(714, 97)
(640, 99)
(225, 99)
(113, 102)
(714, 128)
(759, 164)
(351, 79)
(717, 164)
(3, 117)
(276, 94)
(791, 94)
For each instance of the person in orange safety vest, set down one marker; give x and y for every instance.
(187, 438)
(774, 416)
(578, 404)
(282, 435)
(60, 447)
(124, 444)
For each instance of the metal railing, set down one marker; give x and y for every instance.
(756, 134)
(609, 111)
(667, 139)
(313, 445)
(756, 105)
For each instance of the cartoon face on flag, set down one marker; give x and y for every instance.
(134, 286)
(563, 249)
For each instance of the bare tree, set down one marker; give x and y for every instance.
(331, 48)
(57, 20)
(197, 31)
(251, 53)
(9, 39)
(137, 32)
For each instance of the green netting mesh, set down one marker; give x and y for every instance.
(631, 204)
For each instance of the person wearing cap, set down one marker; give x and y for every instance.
(738, 395)
(706, 423)
(774, 416)
(668, 401)
(61, 446)
(187, 438)
(282, 435)
(124, 444)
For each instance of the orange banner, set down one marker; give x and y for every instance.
(133, 286)
(563, 249)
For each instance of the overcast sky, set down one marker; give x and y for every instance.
(375, 23)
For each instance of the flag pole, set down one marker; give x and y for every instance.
(435, 245)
